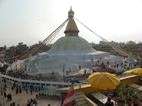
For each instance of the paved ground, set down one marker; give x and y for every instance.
(22, 98)
(45, 102)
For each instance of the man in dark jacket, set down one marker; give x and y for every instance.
(109, 102)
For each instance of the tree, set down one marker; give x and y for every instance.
(131, 48)
(127, 94)
(21, 48)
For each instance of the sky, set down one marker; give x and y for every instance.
(31, 21)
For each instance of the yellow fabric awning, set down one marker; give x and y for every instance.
(103, 81)
(135, 71)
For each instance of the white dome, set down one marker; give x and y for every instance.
(68, 52)
(71, 44)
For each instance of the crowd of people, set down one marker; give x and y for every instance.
(112, 66)
(98, 65)
(7, 92)
(32, 102)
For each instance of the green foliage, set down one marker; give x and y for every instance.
(133, 49)
(21, 49)
(127, 94)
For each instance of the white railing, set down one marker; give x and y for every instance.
(33, 81)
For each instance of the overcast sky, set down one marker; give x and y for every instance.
(30, 21)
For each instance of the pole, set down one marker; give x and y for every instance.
(3, 102)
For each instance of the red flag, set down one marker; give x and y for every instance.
(69, 98)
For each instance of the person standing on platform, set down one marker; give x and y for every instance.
(109, 102)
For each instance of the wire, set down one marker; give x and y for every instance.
(118, 50)
(45, 41)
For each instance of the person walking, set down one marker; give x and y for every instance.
(109, 102)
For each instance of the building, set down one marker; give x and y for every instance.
(66, 54)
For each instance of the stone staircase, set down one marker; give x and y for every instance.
(81, 100)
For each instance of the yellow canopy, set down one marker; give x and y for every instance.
(103, 81)
(135, 71)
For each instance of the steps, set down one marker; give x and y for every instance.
(80, 100)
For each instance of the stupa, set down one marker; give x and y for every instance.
(66, 54)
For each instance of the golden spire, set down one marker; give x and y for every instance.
(70, 13)
(71, 28)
